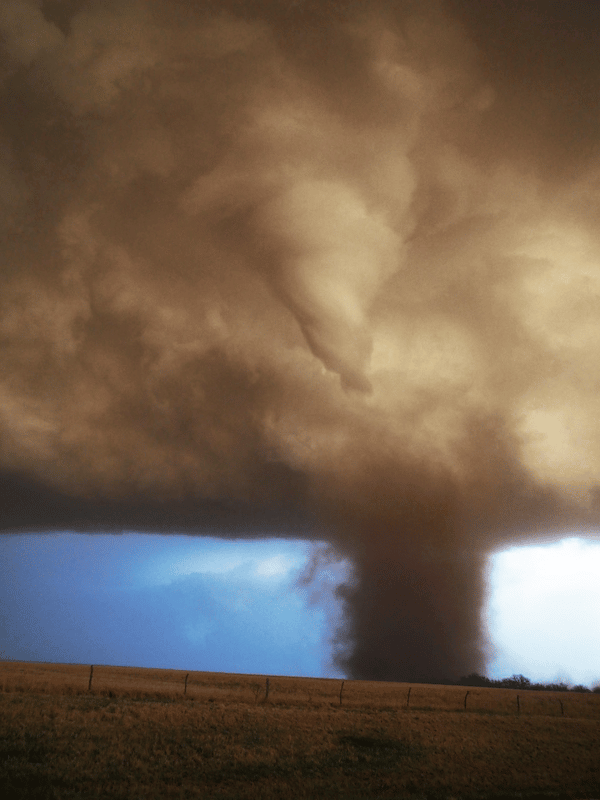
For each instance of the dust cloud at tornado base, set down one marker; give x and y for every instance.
(304, 268)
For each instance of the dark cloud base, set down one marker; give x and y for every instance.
(29, 506)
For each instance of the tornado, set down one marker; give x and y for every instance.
(323, 270)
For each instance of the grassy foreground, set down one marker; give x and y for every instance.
(135, 734)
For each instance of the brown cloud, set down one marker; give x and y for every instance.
(305, 268)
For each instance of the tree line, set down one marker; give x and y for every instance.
(520, 682)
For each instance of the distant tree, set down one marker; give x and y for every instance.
(474, 679)
(556, 687)
(519, 682)
(522, 681)
(516, 682)
(596, 690)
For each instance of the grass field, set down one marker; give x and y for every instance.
(135, 734)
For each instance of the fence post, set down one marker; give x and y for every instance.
(341, 690)
(562, 710)
(518, 705)
(467, 694)
(408, 698)
(267, 689)
(185, 686)
(91, 675)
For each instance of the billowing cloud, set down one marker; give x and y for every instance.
(307, 269)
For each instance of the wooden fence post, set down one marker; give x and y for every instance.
(467, 694)
(562, 710)
(408, 698)
(91, 675)
(185, 686)
(518, 705)
(341, 690)
(267, 689)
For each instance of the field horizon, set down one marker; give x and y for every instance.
(150, 733)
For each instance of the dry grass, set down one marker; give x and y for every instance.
(136, 735)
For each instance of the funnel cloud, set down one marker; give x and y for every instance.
(317, 269)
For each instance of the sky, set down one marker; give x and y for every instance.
(190, 603)
(316, 271)
(174, 602)
(543, 612)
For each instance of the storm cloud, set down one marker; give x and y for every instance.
(317, 269)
